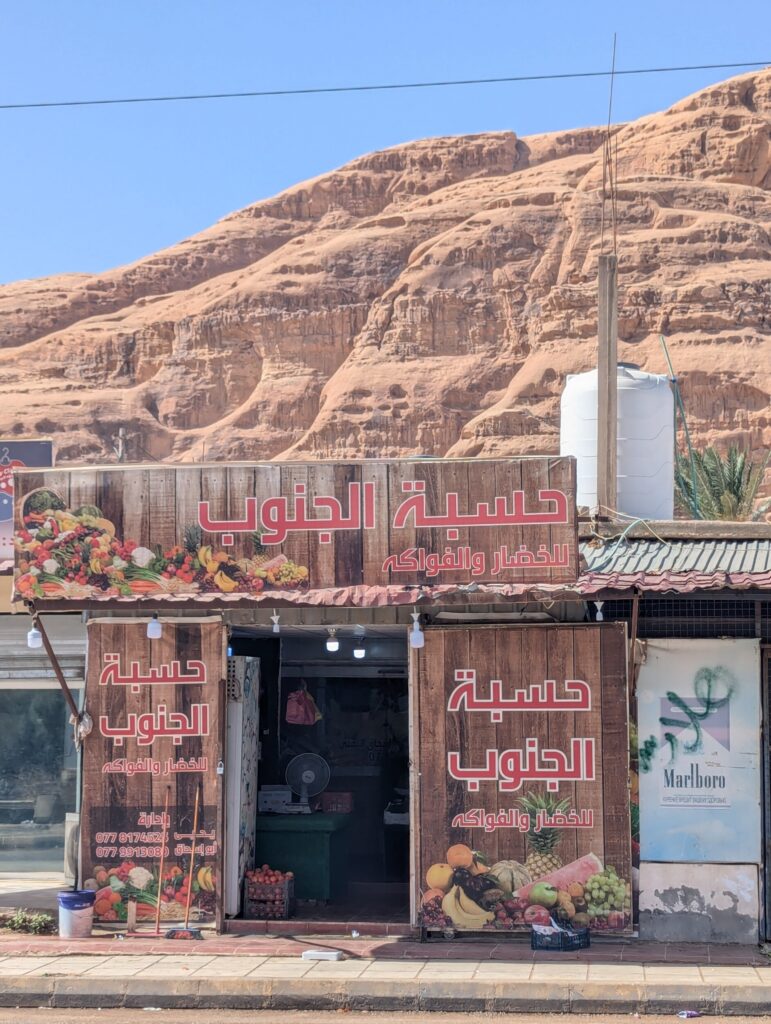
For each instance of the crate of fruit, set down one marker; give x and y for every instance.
(268, 894)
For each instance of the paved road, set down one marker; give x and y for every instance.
(274, 1017)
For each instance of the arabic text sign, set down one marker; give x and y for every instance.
(249, 531)
(523, 735)
(698, 708)
(157, 712)
(16, 455)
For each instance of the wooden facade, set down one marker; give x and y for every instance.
(148, 743)
(447, 812)
(253, 531)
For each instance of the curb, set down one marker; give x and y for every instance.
(409, 995)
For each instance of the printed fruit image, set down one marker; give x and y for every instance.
(460, 856)
(432, 894)
(577, 871)
(432, 915)
(439, 876)
(511, 874)
(606, 893)
(544, 894)
(479, 865)
(482, 889)
(466, 915)
(205, 878)
(542, 857)
(537, 915)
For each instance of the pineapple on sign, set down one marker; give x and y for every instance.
(542, 857)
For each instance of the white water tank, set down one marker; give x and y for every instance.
(646, 424)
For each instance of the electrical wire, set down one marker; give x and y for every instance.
(385, 87)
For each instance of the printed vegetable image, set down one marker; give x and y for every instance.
(115, 886)
(76, 554)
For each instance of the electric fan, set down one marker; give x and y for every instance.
(306, 775)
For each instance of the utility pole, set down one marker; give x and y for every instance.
(607, 385)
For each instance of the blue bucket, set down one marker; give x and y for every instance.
(76, 913)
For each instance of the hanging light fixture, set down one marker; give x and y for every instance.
(359, 650)
(333, 644)
(274, 619)
(599, 617)
(417, 637)
(154, 628)
(34, 638)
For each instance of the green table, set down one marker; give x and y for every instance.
(310, 845)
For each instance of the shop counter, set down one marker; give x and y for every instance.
(313, 846)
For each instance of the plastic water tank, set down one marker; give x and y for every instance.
(646, 462)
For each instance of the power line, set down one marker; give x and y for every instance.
(326, 90)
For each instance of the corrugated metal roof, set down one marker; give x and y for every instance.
(676, 565)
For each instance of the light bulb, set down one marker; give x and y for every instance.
(34, 638)
(333, 644)
(274, 619)
(154, 628)
(599, 617)
(417, 639)
(360, 651)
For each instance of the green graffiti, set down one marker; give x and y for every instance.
(707, 684)
(646, 752)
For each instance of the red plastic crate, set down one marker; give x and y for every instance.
(337, 803)
(268, 901)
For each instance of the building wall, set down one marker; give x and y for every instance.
(699, 902)
(699, 715)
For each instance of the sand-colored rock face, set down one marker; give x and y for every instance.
(427, 299)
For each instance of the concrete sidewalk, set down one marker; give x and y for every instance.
(205, 981)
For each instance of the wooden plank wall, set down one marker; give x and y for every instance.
(112, 801)
(520, 656)
(153, 506)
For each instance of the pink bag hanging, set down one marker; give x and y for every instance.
(301, 709)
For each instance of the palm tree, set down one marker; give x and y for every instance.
(709, 485)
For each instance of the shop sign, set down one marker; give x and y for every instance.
(698, 713)
(248, 532)
(156, 707)
(16, 455)
(521, 805)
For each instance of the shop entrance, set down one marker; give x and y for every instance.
(332, 773)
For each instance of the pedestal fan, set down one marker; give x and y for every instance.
(307, 775)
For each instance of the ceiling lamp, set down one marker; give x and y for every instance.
(417, 637)
(333, 644)
(154, 628)
(599, 617)
(34, 638)
(359, 650)
(274, 619)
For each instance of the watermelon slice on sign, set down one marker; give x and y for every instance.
(580, 870)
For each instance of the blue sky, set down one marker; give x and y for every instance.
(88, 189)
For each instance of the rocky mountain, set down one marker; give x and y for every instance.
(428, 299)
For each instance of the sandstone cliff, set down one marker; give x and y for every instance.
(426, 299)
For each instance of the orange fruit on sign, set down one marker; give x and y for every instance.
(460, 856)
(439, 876)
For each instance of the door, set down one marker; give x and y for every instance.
(242, 757)
(765, 657)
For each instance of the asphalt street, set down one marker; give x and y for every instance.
(49, 1016)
